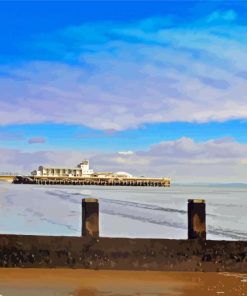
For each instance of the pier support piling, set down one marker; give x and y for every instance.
(90, 217)
(196, 219)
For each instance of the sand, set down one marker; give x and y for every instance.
(75, 282)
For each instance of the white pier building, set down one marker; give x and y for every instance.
(82, 170)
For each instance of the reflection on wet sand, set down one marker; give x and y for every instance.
(64, 282)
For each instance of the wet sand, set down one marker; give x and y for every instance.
(75, 282)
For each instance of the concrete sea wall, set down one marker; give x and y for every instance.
(95, 252)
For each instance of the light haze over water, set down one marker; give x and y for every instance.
(154, 212)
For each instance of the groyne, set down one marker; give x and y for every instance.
(95, 252)
(63, 180)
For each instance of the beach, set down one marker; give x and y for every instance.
(125, 212)
(75, 282)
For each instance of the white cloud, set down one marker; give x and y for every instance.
(228, 15)
(184, 160)
(126, 75)
(126, 152)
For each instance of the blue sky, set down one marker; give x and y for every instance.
(112, 81)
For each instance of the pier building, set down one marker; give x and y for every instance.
(82, 170)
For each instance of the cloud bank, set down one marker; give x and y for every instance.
(184, 160)
(116, 76)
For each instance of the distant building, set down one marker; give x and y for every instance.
(82, 170)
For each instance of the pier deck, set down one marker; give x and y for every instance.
(61, 180)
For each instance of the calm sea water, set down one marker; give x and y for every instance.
(124, 211)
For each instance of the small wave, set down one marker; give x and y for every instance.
(143, 206)
(145, 219)
(229, 233)
(63, 195)
(42, 217)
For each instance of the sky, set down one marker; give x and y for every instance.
(151, 88)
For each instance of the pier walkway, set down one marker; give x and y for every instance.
(155, 182)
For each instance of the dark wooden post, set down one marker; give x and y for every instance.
(90, 217)
(196, 219)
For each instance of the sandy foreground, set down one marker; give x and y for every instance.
(75, 282)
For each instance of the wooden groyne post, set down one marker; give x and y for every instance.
(90, 217)
(196, 219)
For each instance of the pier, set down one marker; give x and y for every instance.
(91, 251)
(82, 174)
(7, 176)
(64, 180)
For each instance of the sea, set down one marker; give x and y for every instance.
(138, 212)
